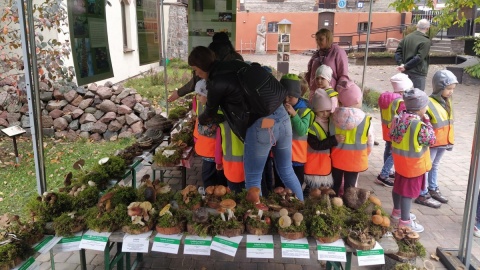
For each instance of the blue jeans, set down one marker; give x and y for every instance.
(436, 153)
(258, 143)
(418, 80)
(478, 212)
(387, 160)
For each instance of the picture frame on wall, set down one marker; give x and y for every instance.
(286, 57)
(285, 38)
(210, 32)
(286, 48)
(280, 48)
(225, 16)
(279, 57)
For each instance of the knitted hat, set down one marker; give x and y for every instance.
(349, 93)
(321, 101)
(291, 82)
(415, 99)
(201, 87)
(401, 82)
(325, 72)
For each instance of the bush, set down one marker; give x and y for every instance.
(370, 98)
(432, 32)
(473, 71)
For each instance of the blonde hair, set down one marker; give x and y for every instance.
(327, 34)
(303, 84)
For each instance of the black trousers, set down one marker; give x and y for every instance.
(339, 175)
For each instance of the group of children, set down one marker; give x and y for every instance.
(332, 138)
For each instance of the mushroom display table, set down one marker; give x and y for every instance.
(185, 162)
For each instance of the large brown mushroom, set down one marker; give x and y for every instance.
(209, 190)
(220, 191)
(253, 195)
(229, 204)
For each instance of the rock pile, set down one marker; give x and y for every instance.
(97, 112)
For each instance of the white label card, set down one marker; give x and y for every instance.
(295, 248)
(196, 245)
(333, 252)
(137, 243)
(46, 244)
(67, 244)
(94, 240)
(167, 243)
(226, 245)
(260, 246)
(29, 264)
(371, 257)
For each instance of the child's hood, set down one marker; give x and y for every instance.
(442, 79)
(347, 118)
(386, 98)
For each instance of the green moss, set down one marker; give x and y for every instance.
(86, 198)
(10, 252)
(173, 159)
(50, 206)
(417, 248)
(184, 136)
(194, 200)
(107, 221)
(177, 217)
(114, 168)
(177, 113)
(219, 225)
(99, 177)
(328, 223)
(65, 224)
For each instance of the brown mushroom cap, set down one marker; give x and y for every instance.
(209, 190)
(386, 222)
(106, 197)
(253, 195)
(288, 191)
(188, 189)
(377, 219)
(315, 193)
(228, 203)
(375, 200)
(79, 164)
(220, 190)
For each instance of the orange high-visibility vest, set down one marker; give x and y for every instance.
(232, 148)
(299, 143)
(352, 154)
(318, 161)
(442, 122)
(204, 146)
(409, 157)
(387, 117)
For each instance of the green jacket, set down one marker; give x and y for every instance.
(413, 53)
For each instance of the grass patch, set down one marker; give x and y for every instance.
(152, 85)
(18, 182)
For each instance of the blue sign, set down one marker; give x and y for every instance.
(342, 3)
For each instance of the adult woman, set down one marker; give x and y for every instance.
(224, 51)
(328, 54)
(260, 134)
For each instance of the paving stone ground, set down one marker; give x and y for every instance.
(442, 226)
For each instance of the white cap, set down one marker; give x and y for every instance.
(401, 82)
(201, 88)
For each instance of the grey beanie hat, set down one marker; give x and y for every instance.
(415, 99)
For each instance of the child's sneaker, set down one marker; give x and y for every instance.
(396, 215)
(412, 224)
(384, 182)
(476, 231)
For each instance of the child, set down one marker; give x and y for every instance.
(412, 135)
(301, 118)
(205, 140)
(318, 169)
(303, 84)
(440, 111)
(351, 156)
(323, 77)
(390, 105)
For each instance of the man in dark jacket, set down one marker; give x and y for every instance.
(412, 54)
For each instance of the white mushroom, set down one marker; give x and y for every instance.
(260, 213)
(283, 212)
(297, 218)
(284, 221)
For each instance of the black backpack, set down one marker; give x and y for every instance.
(264, 93)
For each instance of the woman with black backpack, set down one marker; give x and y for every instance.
(260, 134)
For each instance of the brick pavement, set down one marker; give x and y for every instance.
(442, 226)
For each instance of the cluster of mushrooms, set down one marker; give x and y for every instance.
(140, 212)
(285, 221)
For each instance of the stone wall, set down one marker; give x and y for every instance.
(97, 112)
(177, 32)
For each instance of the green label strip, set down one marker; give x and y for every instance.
(70, 239)
(369, 252)
(95, 238)
(167, 240)
(260, 245)
(295, 245)
(197, 242)
(27, 264)
(225, 242)
(43, 243)
(330, 248)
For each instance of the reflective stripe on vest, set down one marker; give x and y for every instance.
(387, 117)
(409, 157)
(232, 148)
(318, 161)
(352, 155)
(204, 146)
(299, 143)
(442, 122)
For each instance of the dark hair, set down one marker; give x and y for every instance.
(221, 49)
(201, 57)
(327, 34)
(220, 37)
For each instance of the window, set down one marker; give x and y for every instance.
(327, 4)
(362, 27)
(272, 27)
(126, 34)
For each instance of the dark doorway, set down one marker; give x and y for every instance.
(326, 20)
